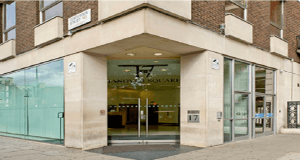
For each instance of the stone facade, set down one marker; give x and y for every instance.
(149, 29)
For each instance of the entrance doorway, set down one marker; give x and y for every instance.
(143, 100)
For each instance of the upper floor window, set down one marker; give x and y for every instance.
(50, 9)
(9, 20)
(276, 12)
(237, 7)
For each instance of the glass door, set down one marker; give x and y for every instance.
(259, 116)
(263, 121)
(143, 100)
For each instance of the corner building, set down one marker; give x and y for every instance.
(87, 74)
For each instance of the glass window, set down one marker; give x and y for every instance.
(32, 103)
(227, 88)
(51, 9)
(276, 18)
(275, 31)
(47, 2)
(235, 7)
(227, 130)
(241, 106)
(10, 35)
(12, 109)
(241, 76)
(240, 128)
(264, 80)
(10, 14)
(276, 13)
(9, 20)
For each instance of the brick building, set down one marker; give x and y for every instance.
(199, 73)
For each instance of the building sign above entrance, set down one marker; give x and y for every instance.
(79, 19)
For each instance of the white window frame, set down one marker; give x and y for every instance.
(43, 9)
(5, 31)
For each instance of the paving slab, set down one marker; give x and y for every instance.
(274, 147)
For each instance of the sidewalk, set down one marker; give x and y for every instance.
(280, 147)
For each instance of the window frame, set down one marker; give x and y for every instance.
(44, 9)
(6, 30)
(280, 27)
(251, 101)
(243, 7)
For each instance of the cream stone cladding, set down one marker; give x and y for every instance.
(200, 90)
(85, 97)
(48, 31)
(239, 29)
(149, 28)
(108, 8)
(8, 49)
(278, 46)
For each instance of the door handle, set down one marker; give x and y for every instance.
(147, 117)
(139, 115)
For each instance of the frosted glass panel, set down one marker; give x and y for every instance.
(31, 101)
(12, 109)
(241, 76)
(227, 88)
(241, 106)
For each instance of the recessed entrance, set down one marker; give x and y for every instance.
(143, 100)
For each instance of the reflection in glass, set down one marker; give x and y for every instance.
(275, 30)
(12, 106)
(259, 115)
(241, 76)
(227, 130)
(264, 80)
(269, 106)
(10, 35)
(10, 14)
(259, 107)
(259, 125)
(47, 2)
(56, 10)
(269, 124)
(235, 9)
(241, 106)
(227, 89)
(31, 101)
(276, 13)
(240, 128)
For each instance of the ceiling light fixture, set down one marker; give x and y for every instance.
(130, 54)
(155, 61)
(163, 70)
(127, 70)
(158, 54)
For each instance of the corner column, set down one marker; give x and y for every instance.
(201, 89)
(85, 97)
